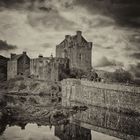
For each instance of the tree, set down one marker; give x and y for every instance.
(121, 76)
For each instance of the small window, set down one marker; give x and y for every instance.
(80, 56)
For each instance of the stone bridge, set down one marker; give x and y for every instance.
(114, 96)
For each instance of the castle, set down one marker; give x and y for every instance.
(74, 52)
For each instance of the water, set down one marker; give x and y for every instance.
(31, 121)
(35, 132)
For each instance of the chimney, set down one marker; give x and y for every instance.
(13, 55)
(40, 56)
(67, 36)
(79, 34)
(24, 53)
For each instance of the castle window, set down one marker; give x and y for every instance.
(80, 56)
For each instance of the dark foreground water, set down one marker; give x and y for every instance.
(31, 121)
(35, 132)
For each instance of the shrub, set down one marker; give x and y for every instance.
(33, 85)
(22, 86)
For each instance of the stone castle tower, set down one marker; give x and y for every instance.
(77, 50)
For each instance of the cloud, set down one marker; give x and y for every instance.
(136, 55)
(98, 21)
(52, 19)
(46, 45)
(105, 62)
(33, 5)
(5, 46)
(135, 69)
(21, 4)
(36, 26)
(126, 13)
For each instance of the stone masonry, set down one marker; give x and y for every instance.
(77, 50)
(18, 65)
(115, 96)
(49, 68)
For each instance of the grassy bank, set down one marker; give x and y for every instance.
(28, 85)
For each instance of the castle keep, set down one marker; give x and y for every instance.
(77, 50)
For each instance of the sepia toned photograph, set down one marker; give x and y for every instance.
(69, 69)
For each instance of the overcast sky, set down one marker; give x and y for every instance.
(36, 26)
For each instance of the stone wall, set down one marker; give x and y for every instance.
(109, 122)
(47, 68)
(23, 65)
(77, 50)
(118, 97)
(11, 69)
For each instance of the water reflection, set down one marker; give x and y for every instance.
(111, 123)
(72, 132)
(31, 132)
(32, 122)
(61, 132)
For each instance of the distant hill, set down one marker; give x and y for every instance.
(5, 46)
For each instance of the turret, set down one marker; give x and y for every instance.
(24, 53)
(67, 37)
(79, 36)
(13, 55)
(40, 56)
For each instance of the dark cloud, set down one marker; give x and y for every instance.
(45, 9)
(5, 46)
(136, 55)
(30, 5)
(125, 12)
(105, 62)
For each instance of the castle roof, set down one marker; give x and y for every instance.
(16, 57)
(75, 39)
(2, 57)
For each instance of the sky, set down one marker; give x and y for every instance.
(37, 26)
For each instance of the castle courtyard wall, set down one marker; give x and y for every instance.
(46, 68)
(11, 69)
(114, 96)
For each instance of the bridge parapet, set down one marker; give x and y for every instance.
(120, 97)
